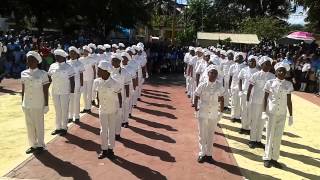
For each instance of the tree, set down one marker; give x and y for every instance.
(265, 27)
(313, 7)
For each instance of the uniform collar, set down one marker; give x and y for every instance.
(33, 70)
(281, 81)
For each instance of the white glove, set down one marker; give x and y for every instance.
(46, 109)
(220, 114)
(196, 114)
(240, 93)
(290, 120)
(264, 116)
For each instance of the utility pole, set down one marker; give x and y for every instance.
(173, 33)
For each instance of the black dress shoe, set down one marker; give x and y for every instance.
(77, 121)
(209, 159)
(122, 124)
(252, 144)
(118, 137)
(276, 164)
(110, 154)
(192, 105)
(70, 120)
(83, 111)
(242, 131)
(201, 159)
(260, 145)
(139, 99)
(247, 132)
(130, 115)
(57, 131)
(126, 125)
(189, 96)
(63, 132)
(38, 150)
(93, 103)
(103, 154)
(267, 163)
(30, 150)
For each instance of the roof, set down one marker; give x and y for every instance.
(235, 38)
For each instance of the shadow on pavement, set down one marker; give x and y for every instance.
(89, 128)
(157, 113)
(153, 124)
(149, 90)
(155, 97)
(85, 144)
(148, 150)
(158, 105)
(64, 168)
(152, 135)
(141, 172)
(155, 94)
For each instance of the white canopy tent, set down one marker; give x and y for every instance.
(206, 38)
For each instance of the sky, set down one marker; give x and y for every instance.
(294, 18)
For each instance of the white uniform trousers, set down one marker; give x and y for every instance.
(235, 104)
(189, 79)
(141, 81)
(226, 95)
(193, 89)
(257, 123)
(245, 122)
(74, 106)
(87, 94)
(119, 120)
(61, 106)
(275, 127)
(107, 130)
(35, 126)
(207, 126)
(126, 109)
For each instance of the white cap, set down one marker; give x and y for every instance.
(91, 45)
(212, 67)
(223, 52)
(87, 48)
(252, 57)
(116, 56)
(125, 54)
(115, 46)
(207, 53)
(104, 65)
(282, 64)
(264, 59)
(191, 48)
(101, 47)
(198, 49)
(230, 51)
(72, 48)
(35, 55)
(131, 50)
(122, 45)
(60, 52)
(107, 46)
(140, 44)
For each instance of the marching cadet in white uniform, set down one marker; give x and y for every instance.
(224, 67)
(78, 68)
(234, 86)
(142, 61)
(186, 68)
(109, 91)
(89, 75)
(210, 94)
(195, 64)
(35, 87)
(276, 100)
(62, 76)
(133, 69)
(127, 104)
(190, 64)
(114, 48)
(122, 47)
(202, 67)
(123, 78)
(257, 83)
(244, 77)
(107, 52)
(133, 63)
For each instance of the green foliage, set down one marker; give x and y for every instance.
(265, 27)
(187, 36)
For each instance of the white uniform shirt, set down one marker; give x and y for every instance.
(209, 93)
(78, 68)
(278, 91)
(135, 66)
(245, 75)
(123, 77)
(60, 74)
(33, 81)
(258, 80)
(192, 62)
(108, 94)
(225, 66)
(234, 72)
(88, 63)
(198, 62)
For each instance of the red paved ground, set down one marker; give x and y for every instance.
(160, 144)
(309, 97)
(10, 86)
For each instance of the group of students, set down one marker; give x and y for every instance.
(216, 78)
(107, 76)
